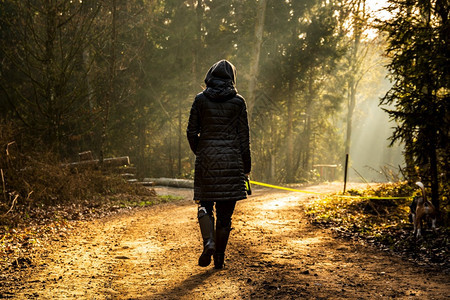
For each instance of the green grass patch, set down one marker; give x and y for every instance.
(130, 201)
(169, 198)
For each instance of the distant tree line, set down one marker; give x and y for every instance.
(119, 77)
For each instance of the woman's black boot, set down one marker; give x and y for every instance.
(222, 234)
(206, 222)
(219, 260)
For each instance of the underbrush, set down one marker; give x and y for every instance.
(39, 195)
(36, 186)
(38, 190)
(383, 223)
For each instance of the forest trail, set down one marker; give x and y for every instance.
(273, 253)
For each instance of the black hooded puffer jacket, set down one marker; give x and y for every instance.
(218, 134)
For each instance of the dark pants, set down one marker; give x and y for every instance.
(224, 211)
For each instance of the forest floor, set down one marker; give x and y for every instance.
(273, 253)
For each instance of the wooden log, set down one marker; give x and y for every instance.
(108, 162)
(128, 175)
(172, 182)
(86, 155)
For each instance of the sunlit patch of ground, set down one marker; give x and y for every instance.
(305, 243)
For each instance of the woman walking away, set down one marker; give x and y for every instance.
(218, 134)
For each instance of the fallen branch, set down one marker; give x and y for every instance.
(12, 205)
(14, 202)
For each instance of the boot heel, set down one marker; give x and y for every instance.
(205, 258)
(219, 260)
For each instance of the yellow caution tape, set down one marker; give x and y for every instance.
(282, 188)
(371, 197)
(308, 192)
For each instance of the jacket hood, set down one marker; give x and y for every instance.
(220, 81)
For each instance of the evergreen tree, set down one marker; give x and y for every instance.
(42, 71)
(418, 36)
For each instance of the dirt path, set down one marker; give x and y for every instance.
(273, 253)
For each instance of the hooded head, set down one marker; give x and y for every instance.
(220, 81)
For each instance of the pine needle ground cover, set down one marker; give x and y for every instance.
(383, 223)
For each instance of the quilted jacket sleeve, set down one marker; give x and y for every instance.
(193, 128)
(244, 139)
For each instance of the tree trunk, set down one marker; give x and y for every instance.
(180, 134)
(142, 142)
(86, 63)
(272, 148)
(254, 66)
(289, 133)
(434, 177)
(198, 45)
(308, 130)
(354, 69)
(110, 95)
(170, 154)
(49, 74)
(351, 107)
